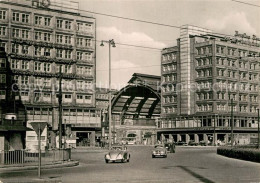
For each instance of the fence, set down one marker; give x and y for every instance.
(23, 157)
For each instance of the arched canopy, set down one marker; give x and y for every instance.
(137, 101)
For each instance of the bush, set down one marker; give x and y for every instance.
(249, 154)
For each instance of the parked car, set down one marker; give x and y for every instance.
(170, 147)
(202, 143)
(181, 143)
(159, 151)
(193, 143)
(117, 153)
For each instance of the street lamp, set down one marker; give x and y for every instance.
(258, 145)
(232, 124)
(214, 136)
(110, 42)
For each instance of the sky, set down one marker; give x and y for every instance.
(221, 16)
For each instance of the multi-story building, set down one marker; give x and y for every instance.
(43, 40)
(203, 77)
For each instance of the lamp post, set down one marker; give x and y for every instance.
(214, 135)
(110, 42)
(258, 145)
(60, 109)
(232, 124)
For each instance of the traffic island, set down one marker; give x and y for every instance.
(60, 164)
(248, 154)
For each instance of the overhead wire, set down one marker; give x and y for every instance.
(246, 3)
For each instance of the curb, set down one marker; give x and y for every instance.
(56, 165)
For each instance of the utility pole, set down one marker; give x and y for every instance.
(60, 110)
(232, 124)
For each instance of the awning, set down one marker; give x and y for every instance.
(14, 128)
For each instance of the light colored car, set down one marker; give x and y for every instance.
(159, 151)
(117, 153)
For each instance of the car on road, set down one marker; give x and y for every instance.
(170, 147)
(117, 153)
(181, 143)
(193, 143)
(159, 151)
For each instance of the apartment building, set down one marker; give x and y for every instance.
(46, 42)
(203, 78)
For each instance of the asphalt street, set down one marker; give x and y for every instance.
(188, 164)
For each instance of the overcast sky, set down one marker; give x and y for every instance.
(223, 16)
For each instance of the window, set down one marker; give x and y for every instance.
(79, 55)
(67, 24)
(37, 51)
(15, 48)
(47, 67)
(47, 82)
(25, 18)
(37, 66)
(2, 78)
(2, 14)
(79, 41)
(67, 39)
(14, 64)
(25, 49)
(2, 31)
(59, 23)
(16, 32)
(25, 34)
(59, 38)
(59, 53)
(47, 21)
(24, 65)
(38, 35)
(47, 36)
(88, 56)
(68, 54)
(67, 69)
(2, 62)
(24, 79)
(38, 20)
(47, 52)
(16, 16)
(88, 42)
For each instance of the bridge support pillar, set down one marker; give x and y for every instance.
(187, 138)
(178, 137)
(196, 138)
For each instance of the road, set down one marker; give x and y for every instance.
(188, 164)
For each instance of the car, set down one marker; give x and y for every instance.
(117, 153)
(193, 143)
(159, 151)
(181, 143)
(170, 147)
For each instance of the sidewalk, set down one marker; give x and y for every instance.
(89, 149)
(33, 167)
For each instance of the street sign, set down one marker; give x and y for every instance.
(38, 126)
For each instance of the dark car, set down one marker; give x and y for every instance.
(170, 147)
(193, 143)
(181, 143)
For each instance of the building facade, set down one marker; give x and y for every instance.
(45, 42)
(203, 78)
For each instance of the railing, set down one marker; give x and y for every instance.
(24, 157)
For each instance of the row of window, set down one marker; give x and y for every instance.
(169, 109)
(47, 21)
(169, 56)
(170, 77)
(44, 51)
(169, 67)
(46, 67)
(169, 99)
(204, 73)
(169, 88)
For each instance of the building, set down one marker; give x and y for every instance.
(136, 109)
(13, 120)
(41, 39)
(203, 77)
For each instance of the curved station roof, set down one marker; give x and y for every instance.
(139, 99)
